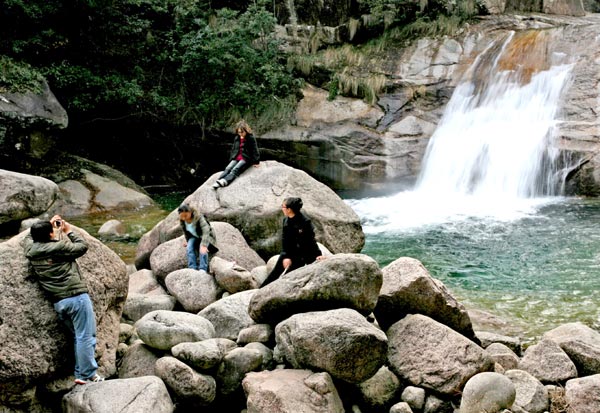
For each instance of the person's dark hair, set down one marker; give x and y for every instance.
(40, 231)
(184, 208)
(243, 125)
(293, 203)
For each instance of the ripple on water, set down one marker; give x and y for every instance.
(539, 270)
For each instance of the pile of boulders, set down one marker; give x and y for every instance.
(341, 334)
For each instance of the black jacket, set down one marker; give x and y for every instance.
(298, 240)
(250, 151)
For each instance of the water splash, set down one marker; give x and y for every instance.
(495, 140)
(492, 154)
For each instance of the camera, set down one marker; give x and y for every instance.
(57, 223)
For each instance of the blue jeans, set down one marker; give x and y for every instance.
(78, 314)
(193, 252)
(233, 170)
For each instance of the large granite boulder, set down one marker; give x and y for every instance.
(341, 342)
(229, 315)
(142, 394)
(28, 118)
(190, 386)
(24, 196)
(430, 355)
(583, 394)
(193, 289)
(581, 343)
(162, 329)
(342, 280)
(35, 344)
(88, 187)
(252, 204)
(291, 391)
(408, 288)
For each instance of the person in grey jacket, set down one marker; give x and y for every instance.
(199, 237)
(52, 254)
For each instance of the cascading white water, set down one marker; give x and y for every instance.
(496, 142)
(492, 152)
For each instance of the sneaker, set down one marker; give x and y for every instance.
(216, 185)
(223, 182)
(95, 379)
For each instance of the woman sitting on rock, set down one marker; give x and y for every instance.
(244, 153)
(298, 245)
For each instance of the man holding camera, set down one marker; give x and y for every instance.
(52, 254)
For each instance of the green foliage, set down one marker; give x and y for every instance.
(159, 60)
(18, 77)
(232, 66)
(334, 88)
(183, 62)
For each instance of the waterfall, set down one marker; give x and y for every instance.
(492, 154)
(495, 137)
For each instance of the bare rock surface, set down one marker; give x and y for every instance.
(408, 288)
(342, 280)
(35, 344)
(430, 355)
(291, 391)
(134, 395)
(24, 196)
(341, 342)
(164, 329)
(581, 343)
(193, 289)
(229, 315)
(583, 394)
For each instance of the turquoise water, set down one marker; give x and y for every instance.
(538, 271)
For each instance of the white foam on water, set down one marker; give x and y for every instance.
(491, 156)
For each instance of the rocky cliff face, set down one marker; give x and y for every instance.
(353, 146)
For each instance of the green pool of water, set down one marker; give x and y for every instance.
(137, 223)
(539, 271)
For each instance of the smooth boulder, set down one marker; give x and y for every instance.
(164, 329)
(433, 356)
(341, 342)
(340, 281)
(134, 395)
(24, 196)
(253, 202)
(35, 344)
(291, 391)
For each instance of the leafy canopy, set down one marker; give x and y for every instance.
(168, 61)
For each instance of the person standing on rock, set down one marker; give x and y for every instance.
(52, 254)
(298, 244)
(244, 152)
(199, 237)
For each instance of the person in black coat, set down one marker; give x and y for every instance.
(298, 244)
(244, 153)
